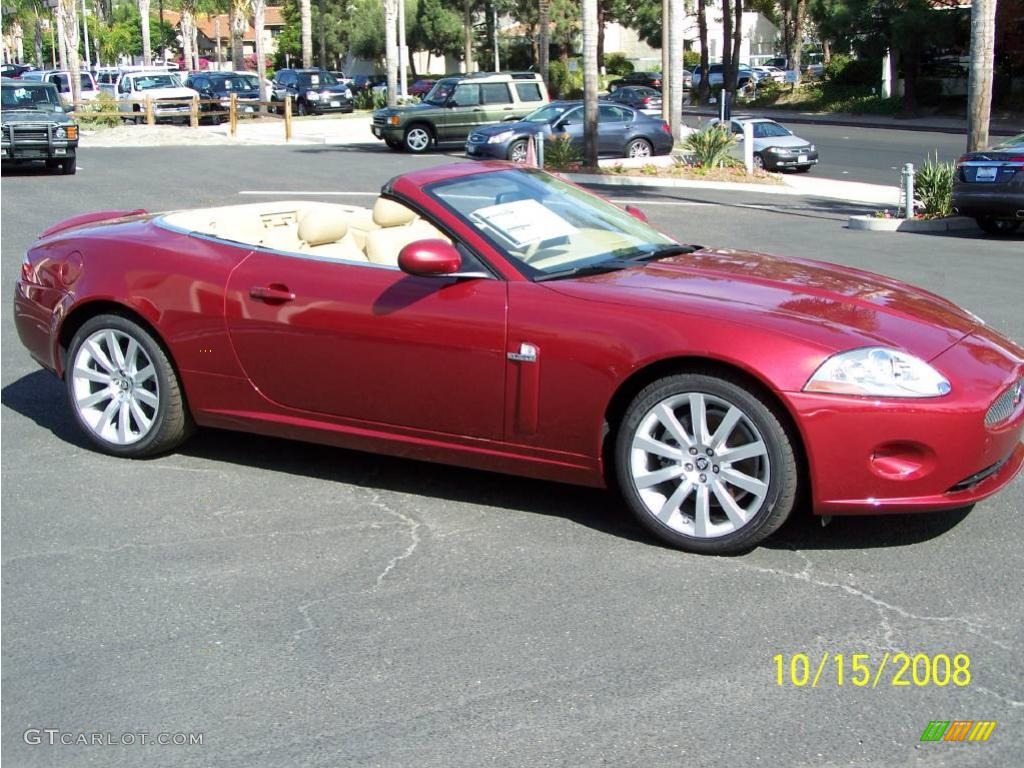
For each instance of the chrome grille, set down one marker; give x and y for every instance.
(1005, 404)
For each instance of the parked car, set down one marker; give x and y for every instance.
(639, 97)
(716, 78)
(367, 82)
(88, 89)
(15, 71)
(253, 80)
(221, 86)
(171, 100)
(456, 106)
(313, 91)
(35, 126)
(770, 73)
(421, 87)
(647, 79)
(501, 318)
(106, 79)
(775, 147)
(621, 132)
(989, 186)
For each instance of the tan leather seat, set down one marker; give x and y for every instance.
(324, 232)
(399, 226)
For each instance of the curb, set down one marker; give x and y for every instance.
(874, 224)
(784, 117)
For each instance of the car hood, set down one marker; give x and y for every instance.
(782, 141)
(405, 109)
(834, 307)
(519, 126)
(166, 93)
(34, 116)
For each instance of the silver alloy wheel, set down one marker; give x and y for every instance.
(417, 139)
(639, 148)
(758, 162)
(517, 153)
(700, 465)
(115, 387)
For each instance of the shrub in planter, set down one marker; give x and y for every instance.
(101, 112)
(933, 186)
(560, 154)
(711, 147)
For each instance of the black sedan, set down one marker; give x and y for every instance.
(989, 186)
(648, 79)
(621, 132)
(640, 97)
(220, 86)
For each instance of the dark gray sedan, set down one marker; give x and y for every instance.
(989, 185)
(621, 132)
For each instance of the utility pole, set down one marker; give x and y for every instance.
(323, 34)
(675, 50)
(666, 62)
(85, 33)
(979, 81)
(497, 53)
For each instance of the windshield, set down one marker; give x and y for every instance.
(317, 78)
(63, 83)
(544, 225)
(547, 113)
(770, 130)
(440, 92)
(30, 97)
(250, 81)
(148, 82)
(236, 83)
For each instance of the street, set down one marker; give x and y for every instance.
(302, 605)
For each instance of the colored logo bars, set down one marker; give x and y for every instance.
(958, 730)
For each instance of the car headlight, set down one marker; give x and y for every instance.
(60, 133)
(312, 96)
(498, 138)
(810, 147)
(877, 372)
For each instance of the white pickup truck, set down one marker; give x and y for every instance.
(170, 98)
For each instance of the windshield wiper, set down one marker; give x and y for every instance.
(611, 265)
(664, 252)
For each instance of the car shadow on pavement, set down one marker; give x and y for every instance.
(40, 397)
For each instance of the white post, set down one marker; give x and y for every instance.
(748, 146)
(886, 75)
(908, 191)
(497, 54)
(85, 31)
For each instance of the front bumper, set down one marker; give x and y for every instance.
(873, 455)
(773, 159)
(487, 151)
(388, 132)
(330, 105)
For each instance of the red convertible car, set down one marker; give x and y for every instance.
(500, 318)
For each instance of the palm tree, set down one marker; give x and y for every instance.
(675, 74)
(979, 81)
(391, 48)
(590, 78)
(306, 14)
(147, 44)
(188, 28)
(67, 20)
(544, 45)
(239, 21)
(259, 12)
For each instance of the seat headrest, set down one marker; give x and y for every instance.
(388, 213)
(321, 225)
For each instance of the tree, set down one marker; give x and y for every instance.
(239, 22)
(147, 47)
(675, 74)
(259, 13)
(306, 16)
(979, 83)
(703, 87)
(391, 46)
(188, 33)
(590, 80)
(544, 42)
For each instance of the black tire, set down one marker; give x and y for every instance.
(774, 470)
(759, 162)
(517, 149)
(300, 108)
(998, 227)
(68, 165)
(171, 423)
(394, 144)
(413, 140)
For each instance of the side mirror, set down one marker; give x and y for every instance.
(429, 258)
(636, 213)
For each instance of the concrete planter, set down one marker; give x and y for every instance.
(948, 224)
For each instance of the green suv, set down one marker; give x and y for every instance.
(457, 105)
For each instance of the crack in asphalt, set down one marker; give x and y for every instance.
(414, 533)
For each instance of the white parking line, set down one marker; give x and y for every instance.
(305, 192)
(623, 201)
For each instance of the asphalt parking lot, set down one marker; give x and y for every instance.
(301, 605)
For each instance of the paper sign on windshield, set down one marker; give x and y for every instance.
(524, 221)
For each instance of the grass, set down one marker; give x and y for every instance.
(829, 97)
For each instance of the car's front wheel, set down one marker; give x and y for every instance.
(998, 226)
(705, 464)
(639, 148)
(123, 390)
(393, 144)
(417, 138)
(517, 151)
(300, 108)
(758, 161)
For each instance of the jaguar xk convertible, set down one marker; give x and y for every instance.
(500, 318)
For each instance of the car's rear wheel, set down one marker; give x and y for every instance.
(517, 151)
(123, 390)
(705, 464)
(639, 148)
(995, 226)
(417, 138)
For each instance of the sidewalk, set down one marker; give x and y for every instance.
(999, 126)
